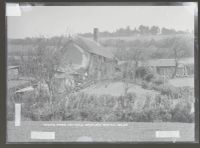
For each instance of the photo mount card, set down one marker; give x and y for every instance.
(108, 73)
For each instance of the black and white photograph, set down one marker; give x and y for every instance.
(100, 73)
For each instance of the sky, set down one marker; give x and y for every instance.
(61, 20)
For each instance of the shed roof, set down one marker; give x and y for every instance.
(12, 67)
(162, 63)
(169, 62)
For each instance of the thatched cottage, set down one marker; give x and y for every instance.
(82, 58)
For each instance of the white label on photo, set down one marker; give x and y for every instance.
(17, 114)
(167, 134)
(13, 9)
(42, 135)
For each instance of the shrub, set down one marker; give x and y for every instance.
(142, 72)
(165, 89)
(164, 108)
(146, 85)
(186, 92)
(41, 112)
(168, 90)
(181, 112)
(83, 107)
(148, 77)
(158, 80)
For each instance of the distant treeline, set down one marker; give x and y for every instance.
(34, 40)
(141, 30)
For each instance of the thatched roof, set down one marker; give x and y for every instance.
(93, 47)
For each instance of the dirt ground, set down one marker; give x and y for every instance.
(179, 82)
(116, 89)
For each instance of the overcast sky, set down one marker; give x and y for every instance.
(60, 20)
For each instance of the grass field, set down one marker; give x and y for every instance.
(118, 132)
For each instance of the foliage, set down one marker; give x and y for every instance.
(148, 77)
(43, 64)
(154, 30)
(142, 72)
(84, 107)
(154, 46)
(181, 112)
(162, 47)
(142, 29)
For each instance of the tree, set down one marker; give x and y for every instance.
(128, 31)
(154, 30)
(144, 29)
(45, 63)
(177, 48)
(167, 31)
(121, 52)
(137, 54)
(135, 31)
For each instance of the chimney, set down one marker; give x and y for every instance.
(95, 34)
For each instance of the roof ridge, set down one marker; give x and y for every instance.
(93, 47)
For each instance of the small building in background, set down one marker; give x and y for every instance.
(163, 67)
(12, 72)
(166, 67)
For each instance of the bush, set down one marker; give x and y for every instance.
(173, 92)
(83, 107)
(165, 89)
(148, 77)
(146, 85)
(186, 92)
(168, 90)
(98, 108)
(157, 109)
(142, 72)
(158, 80)
(181, 112)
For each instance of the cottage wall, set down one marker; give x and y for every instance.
(167, 71)
(100, 67)
(63, 84)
